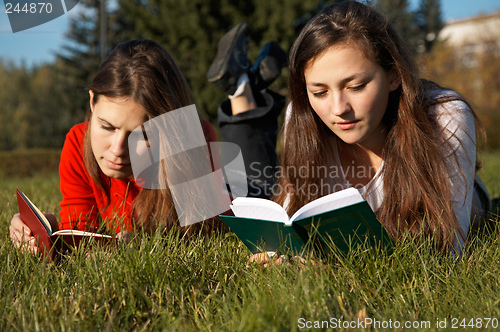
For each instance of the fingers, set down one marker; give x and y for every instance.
(261, 257)
(21, 236)
(19, 232)
(270, 257)
(124, 236)
(265, 257)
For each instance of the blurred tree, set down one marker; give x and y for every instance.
(51, 116)
(15, 98)
(479, 84)
(430, 23)
(31, 116)
(40, 105)
(6, 113)
(418, 28)
(45, 102)
(190, 31)
(403, 20)
(80, 57)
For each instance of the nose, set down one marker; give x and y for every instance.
(119, 146)
(340, 104)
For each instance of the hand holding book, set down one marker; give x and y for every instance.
(38, 232)
(272, 258)
(21, 235)
(342, 220)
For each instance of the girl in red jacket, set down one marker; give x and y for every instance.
(137, 82)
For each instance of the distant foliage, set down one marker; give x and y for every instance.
(35, 111)
(27, 163)
(190, 31)
(418, 27)
(41, 104)
(479, 84)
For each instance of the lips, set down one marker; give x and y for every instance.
(116, 166)
(346, 125)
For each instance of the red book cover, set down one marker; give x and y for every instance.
(47, 235)
(31, 218)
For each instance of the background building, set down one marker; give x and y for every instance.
(473, 37)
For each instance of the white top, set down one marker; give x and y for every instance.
(457, 123)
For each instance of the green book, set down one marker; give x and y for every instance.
(340, 220)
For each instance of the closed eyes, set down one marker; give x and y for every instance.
(107, 128)
(320, 94)
(359, 87)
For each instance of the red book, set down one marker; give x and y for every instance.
(49, 239)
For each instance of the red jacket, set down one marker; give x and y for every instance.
(83, 202)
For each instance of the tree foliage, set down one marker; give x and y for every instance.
(80, 57)
(418, 27)
(190, 31)
(39, 105)
(479, 83)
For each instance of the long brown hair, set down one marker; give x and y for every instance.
(416, 187)
(144, 71)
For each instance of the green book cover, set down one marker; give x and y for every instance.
(343, 227)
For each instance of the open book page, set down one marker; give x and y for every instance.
(259, 208)
(79, 233)
(327, 203)
(38, 213)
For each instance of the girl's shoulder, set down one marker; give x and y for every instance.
(447, 103)
(77, 132)
(74, 138)
(453, 115)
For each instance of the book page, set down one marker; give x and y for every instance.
(329, 202)
(259, 208)
(79, 233)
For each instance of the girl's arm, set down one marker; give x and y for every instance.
(79, 208)
(458, 125)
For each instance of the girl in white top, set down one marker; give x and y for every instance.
(358, 108)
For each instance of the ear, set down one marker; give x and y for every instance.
(91, 102)
(395, 80)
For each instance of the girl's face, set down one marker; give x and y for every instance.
(350, 92)
(113, 119)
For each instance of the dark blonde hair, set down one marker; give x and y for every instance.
(415, 178)
(144, 71)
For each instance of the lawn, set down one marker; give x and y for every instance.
(163, 283)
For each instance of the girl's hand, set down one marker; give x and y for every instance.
(125, 237)
(270, 257)
(265, 258)
(21, 236)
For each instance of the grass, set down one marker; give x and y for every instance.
(163, 283)
(490, 173)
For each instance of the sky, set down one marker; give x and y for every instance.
(38, 45)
